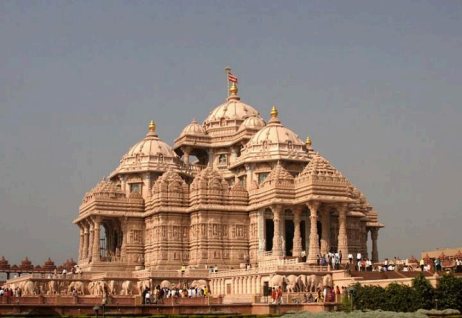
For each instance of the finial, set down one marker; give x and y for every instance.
(152, 126)
(308, 141)
(233, 90)
(274, 112)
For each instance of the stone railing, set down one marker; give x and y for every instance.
(278, 262)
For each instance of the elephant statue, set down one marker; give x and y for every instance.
(293, 283)
(279, 280)
(327, 281)
(112, 287)
(165, 284)
(303, 283)
(142, 284)
(28, 288)
(78, 286)
(52, 287)
(201, 283)
(97, 288)
(127, 288)
(314, 283)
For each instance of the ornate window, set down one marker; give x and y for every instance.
(135, 187)
(289, 145)
(161, 157)
(243, 180)
(262, 177)
(222, 158)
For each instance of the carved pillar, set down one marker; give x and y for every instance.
(81, 243)
(375, 251)
(297, 244)
(223, 286)
(325, 235)
(86, 234)
(186, 153)
(235, 289)
(146, 186)
(96, 243)
(258, 286)
(277, 249)
(91, 238)
(233, 156)
(241, 285)
(261, 231)
(314, 240)
(342, 231)
(364, 236)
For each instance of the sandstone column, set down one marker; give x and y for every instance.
(314, 240)
(96, 243)
(82, 241)
(297, 244)
(258, 286)
(342, 231)
(186, 153)
(235, 289)
(375, 251)
(261, 231)
(91, 238)
(325, 235)
(86, 234)
(241, 285)
(277, 249)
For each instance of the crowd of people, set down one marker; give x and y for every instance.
(159, 293)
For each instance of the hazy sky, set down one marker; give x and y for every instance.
(377, 85)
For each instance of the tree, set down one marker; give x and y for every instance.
(449, 292)
(424, 293)
(398, 297)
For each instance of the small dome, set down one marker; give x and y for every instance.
(149, 154)
(253, 122)
(274, 142)
(193, 129)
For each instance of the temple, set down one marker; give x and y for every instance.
(233, 190)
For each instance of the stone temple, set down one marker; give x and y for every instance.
(233, 190)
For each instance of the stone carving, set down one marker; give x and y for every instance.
(293, 283)
(199, 283)
(314, 282)
(28, 288)
(127, 288)
(52, 287)
(165, 283)
(279, 280)
(78, 286)
(327, 281)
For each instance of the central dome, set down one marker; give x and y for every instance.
(229, 115)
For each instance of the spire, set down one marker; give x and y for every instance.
(233, 90)
(152, 126)
(152, 129)
(308, 141)
(274, 116)
(274, 112)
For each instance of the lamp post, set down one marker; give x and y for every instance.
(96, 309)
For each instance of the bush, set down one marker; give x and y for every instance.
(424, 293)
(449, 292)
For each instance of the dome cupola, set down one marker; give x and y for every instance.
(149, 154)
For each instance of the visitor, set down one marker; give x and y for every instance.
(340, 256)
(337, 294)
(318, 259)
(183, 269)
(358, 257)
(350, 258)
(64, 272)
(147, 297)
(279, 295)
(273, 295)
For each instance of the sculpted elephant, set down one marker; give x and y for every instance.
(327, 281)
(79, 288)
(293, 283)
(165, 284)
(303, 283)
(97, 288)
(314, 283)
(28, 288)
(112, 287)
(201, 283)
(127, 288)
(141, 285)
(279, 280)
(52, 287)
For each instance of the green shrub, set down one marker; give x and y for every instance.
(449, 292)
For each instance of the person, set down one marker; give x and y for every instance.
(64, 273)
(279, 295)
(340, 256)
(422, 264)
(273, 295)
(337, 294)
(183, 269)
(318, 259)
(350, 258)
(148, 297)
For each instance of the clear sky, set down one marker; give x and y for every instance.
(377, 85)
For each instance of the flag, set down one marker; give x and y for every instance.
(232, 78)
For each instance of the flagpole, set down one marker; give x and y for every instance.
(228, 69)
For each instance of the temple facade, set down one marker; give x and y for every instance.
(233, 190)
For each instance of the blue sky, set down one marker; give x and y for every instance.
(375, 84)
